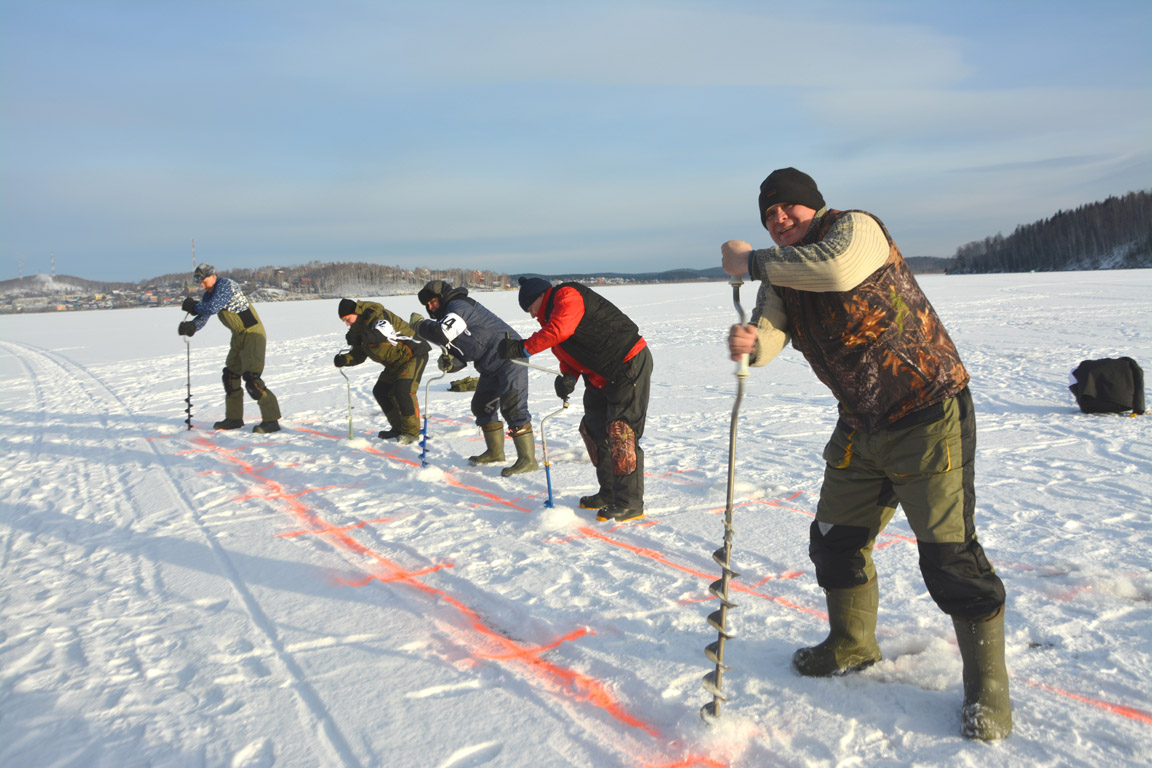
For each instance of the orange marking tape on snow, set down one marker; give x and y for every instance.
(690, 762)
(399, 575)
(447, 475)
(1118, 709)
(329, 529)
(483, 641)
(733, 585)
(453, 481)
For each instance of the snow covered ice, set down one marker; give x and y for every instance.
(185, 598)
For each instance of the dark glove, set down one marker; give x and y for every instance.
(511, 349)
(449, 364)
(565, 385)
(187, 328)
(189, 304)
(340, 360)
(348, 337)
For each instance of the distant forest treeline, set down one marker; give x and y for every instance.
(1114, 234)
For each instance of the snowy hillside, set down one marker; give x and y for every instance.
(191, 598)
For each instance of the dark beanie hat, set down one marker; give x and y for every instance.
(347, 307)
(788, 185)
(532, 288)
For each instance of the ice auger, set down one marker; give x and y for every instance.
(718, 619)
(188, 400)
(424, 429)
(347, 382)
(544, 443)
(543, 439)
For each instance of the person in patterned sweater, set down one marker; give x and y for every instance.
(375, 332)
(245, 362)
(837, 287)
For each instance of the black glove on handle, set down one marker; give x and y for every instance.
(511, 349)
(565, 385)
(186, 328)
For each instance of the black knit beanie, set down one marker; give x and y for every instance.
(788, 185)
(347, 307)
(532, 288)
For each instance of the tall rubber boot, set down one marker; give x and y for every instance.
(987, 711)
(525, 444)
(851, 643)
(494, 439)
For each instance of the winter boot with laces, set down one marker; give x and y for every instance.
(851, 643)
(987, 711)
(494, 439)
(525, 444)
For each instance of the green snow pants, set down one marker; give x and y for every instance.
(928, 468)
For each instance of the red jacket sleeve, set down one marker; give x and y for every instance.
(567, 312)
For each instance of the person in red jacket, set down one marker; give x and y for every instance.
(592, 338)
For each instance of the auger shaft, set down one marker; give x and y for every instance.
(547, 463)
(718, 619)
(424, 429)
(188, 400)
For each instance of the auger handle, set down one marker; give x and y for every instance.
(742, 365)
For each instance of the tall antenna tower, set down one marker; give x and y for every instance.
(193, 254)
(52, 255)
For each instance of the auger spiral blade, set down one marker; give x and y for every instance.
(715, 653)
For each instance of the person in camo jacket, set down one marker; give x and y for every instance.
(375, 332)
(470, 333)
(838, 288)
(245, 362)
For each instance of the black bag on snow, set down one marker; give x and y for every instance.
(1109, 385)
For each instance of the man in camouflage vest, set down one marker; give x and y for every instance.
(837, 287)
(245, 362)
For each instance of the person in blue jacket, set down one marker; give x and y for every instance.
(470, 333)
(245, 362)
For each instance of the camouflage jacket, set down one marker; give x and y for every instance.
(382, 336)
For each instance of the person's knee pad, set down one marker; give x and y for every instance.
(255, 385)
(960, 579)
(589, 443)
(231, 382)
(622, 444)
(836, 551)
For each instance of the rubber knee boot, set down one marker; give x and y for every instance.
(494, 439)
(851, 643)
(987, 711)
(525, 444)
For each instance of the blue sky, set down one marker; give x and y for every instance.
(532, 136)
